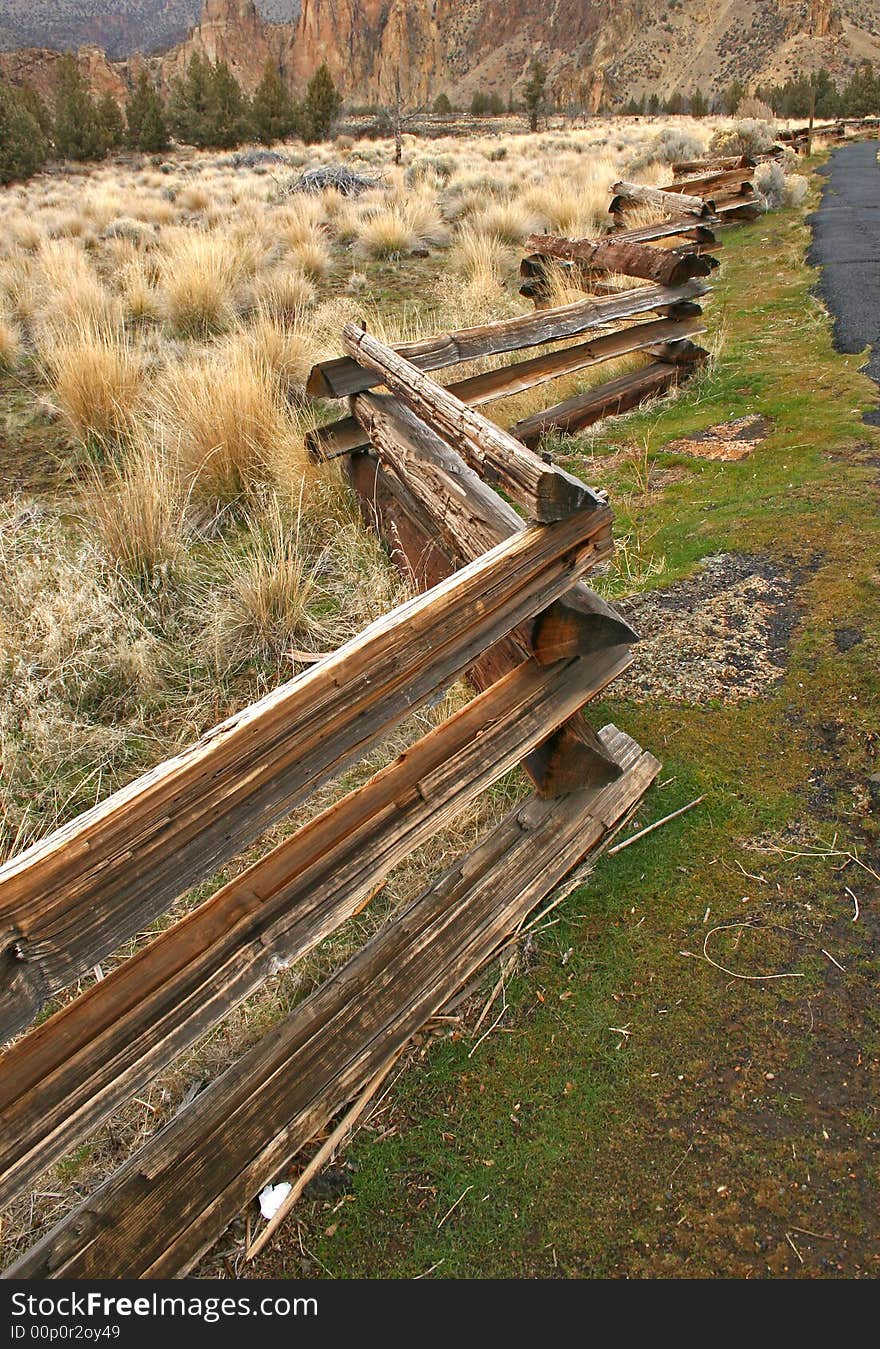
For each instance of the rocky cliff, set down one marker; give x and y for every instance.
(595, 49)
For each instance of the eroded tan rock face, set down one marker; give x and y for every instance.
(594, 50)
(39, 68)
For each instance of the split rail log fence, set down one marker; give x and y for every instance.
(845, 128)
(502, 600)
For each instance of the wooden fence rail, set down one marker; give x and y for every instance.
(502, 600)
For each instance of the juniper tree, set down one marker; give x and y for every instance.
(23, 143)
(272, 110)
(145, 117)
(226, 111)
(76, 128)
(320, 107)
(111, 123)
(533, 94)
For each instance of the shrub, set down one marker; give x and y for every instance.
(96, 378)
(743, 138)
(201, 280)
(770, 182)
(23, 145)
(671, 145)
(754, 109)
(436, 168)
(224, 415)
(795, 189)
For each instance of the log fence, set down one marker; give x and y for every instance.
(498, 542)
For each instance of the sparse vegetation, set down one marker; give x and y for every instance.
(157, 323)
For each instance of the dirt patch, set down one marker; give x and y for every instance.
(720, 636)
(729, 441)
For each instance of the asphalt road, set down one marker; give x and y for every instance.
(846, 245)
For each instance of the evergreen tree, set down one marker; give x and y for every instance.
(271, 108)
(37, 109)
(77, 130)
(226, 111)
(732, 96)
(861, 97)
(675, 104)
(699, 104)
(442, 104)
(188, 102)
(321, 106)
(654, 104)
(533, 94)
(146, 128)
(111, 123)
(23, 144)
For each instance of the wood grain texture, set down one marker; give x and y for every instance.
(606, 400)
(166, 1206)
(470, 517)
(627, 195)
(61, 1081)
(631, 257)
(347, 435)
(712, 164)
(344, 376)
(698, 231)
(75, 896)
(545, 491)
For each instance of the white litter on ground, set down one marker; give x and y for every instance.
(272, 1197)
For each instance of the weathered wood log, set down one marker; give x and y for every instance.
(58, 1083)
(686, 309)
(712, 164)
(686, 226)
(711, 184)
(346, 435)
(664, 266)
(167, 1205)
(608, 400)
(546, 492)
(742, 208)
(627, 195)
(391, 509)
(344, 376)
(72, 898)
(471, 518)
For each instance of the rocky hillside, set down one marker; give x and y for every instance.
(595, 49)
(120, 27)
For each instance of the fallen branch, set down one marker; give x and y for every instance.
(649, 829)
(723, 927)
(324, 1153)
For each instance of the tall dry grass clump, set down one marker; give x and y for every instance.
(268, 585)
(224, 416)
(286, 346)
(10, 342)
(575, 206)
(97, 379)
(284, 292)
(510, 221)
(138, 511)
(480, 259)
(201, 278)
(70, 293)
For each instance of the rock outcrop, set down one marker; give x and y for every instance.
(594, 50)
(39, 68)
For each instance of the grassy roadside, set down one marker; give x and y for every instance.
(638, 1111)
